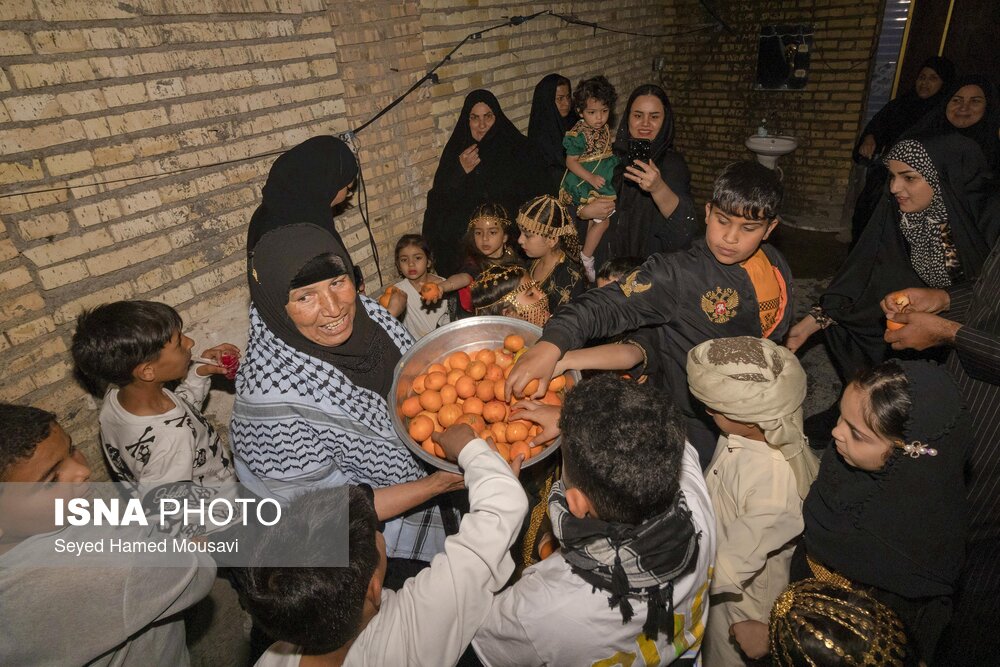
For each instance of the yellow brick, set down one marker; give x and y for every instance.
(70, 310)
(125, 94)
(13, 389)
(177, 295)
(149, 281)
(17, 172)
(42, 136)
(12, 307)
(40, 226)
(69, 163)
(51, 372)
(42, 351)
(92, 214)
(13, 42)
(7, 250)
(51, 253)
(14, 278)
(133, 254)
(32, 107)
(62, 274)
(30, 330)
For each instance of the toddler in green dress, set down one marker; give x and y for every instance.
(590, 161)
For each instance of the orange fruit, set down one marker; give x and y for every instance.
(430, 292)
(458, 360)
(434, 419)
(465, 387)
(513, 343)
(418, 384)
(455, 375)
(487, 434)
(436, 380)
(546, 548)
(431, 400)
(494, 372)
(411, 407)
(472, 406)
(428, 446)
(503, 449)
(476, 370)
(516, 430)
(499, 431)
(438, 451)
(475, 421)
(421, 428)
(386, 295)
(557, 383)
(484, 390)
(535, 451)
(486, 356)
(518, 448)
(448, 394)
(499, 387)
(449, 414)
(495, 411)
(892, 325)
(551, 398)
(530, 388)
(437, 368)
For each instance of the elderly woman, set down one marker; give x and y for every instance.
(930, 233)
(654, 211)
(312, 404)
(486, 161)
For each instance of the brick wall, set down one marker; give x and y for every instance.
(709, 78)
(98, 92)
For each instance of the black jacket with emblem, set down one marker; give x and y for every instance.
(686, 298)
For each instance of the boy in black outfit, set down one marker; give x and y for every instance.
(727, 284)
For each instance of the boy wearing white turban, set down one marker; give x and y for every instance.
(760, 474)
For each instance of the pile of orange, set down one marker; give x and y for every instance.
(469, 388)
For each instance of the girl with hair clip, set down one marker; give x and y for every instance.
(508, 290)
(887, 513)
(818, 623)
(548, 237)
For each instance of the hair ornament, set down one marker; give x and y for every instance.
(916, 449)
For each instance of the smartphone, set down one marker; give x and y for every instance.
(638, 149)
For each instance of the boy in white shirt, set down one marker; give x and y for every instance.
(758, 478)
(150, 434)
(637, 537)
(343, 615)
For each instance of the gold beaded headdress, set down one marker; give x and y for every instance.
(537, 313)
(548, 207)
(845, 612)
(492, 215)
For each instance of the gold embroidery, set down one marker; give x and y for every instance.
(631, 284)
(720, 304)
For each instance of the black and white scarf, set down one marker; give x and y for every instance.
(630, 562)
(923, 230)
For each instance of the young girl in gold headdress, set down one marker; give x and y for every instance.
(548, 237)
(509, 290)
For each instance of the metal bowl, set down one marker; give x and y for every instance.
(473, 333)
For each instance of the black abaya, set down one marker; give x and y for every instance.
(546, 129)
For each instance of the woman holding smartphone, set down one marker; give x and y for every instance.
(654, 211)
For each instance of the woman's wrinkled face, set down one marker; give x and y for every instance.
(489, 238)
(912, 192)
(928, 83)
(966, 107)
(646, 117)
(563, 100)
(860, 446)
(324, 312)
(481, 119)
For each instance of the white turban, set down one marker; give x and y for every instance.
(756, 381)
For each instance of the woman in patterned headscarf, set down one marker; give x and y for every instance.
(928, 231)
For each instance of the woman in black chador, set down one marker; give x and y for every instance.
(551, 116)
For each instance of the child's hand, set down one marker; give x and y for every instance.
(454, 439)
(752, 637)
(546, 416)
(596, 181)
(799, 334)
(226, 357)
(430, 291)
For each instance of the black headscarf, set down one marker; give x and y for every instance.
(638, 229)
(903, 112)
(369, 356)
(301, 185)
(902, 528)
(509, 173)
(546, 128)
(983, 133)
(880, 261)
